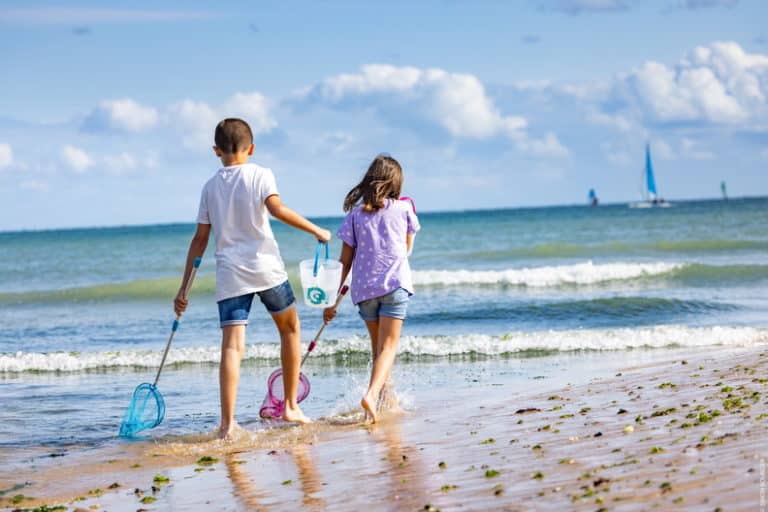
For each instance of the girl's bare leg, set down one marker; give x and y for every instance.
(388, 338)
(385, 400)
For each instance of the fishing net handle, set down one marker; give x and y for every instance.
(342, 292)
(175, 326)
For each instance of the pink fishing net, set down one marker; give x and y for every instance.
(274, 403)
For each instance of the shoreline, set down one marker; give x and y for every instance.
(686, 432)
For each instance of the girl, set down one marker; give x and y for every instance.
(378, 234)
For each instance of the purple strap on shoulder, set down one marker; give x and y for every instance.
(413, 205)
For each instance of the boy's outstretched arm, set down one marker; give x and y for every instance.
(347, 255)
(282, 213)
(196, 249)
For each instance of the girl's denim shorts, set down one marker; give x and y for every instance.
(235, 310)
(392, 305)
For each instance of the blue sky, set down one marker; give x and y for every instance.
(107, 110)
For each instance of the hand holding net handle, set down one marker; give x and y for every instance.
(342, 293)
(176, 322)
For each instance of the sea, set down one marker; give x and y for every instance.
(532, 297)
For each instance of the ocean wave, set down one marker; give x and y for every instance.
(563, 250)
(411, 347)
(578, 274)
(593, 310)
(144, 289)
(541, 277)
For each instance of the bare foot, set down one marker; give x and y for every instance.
(388, 400)
(295, 415)
(369, 406)
(226, 430)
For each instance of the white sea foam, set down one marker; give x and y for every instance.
(417, 346)
(576, 274)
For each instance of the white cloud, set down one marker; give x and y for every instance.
(456, 102)
(719, 83)
(6, 155)
(122, 114)
(76, 159)
(197, 120)
(252, 107)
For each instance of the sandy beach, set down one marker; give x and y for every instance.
(685, 434)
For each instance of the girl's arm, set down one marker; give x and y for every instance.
(283, 213)
(347, 255)
(409, 239)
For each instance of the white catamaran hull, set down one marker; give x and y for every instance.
(649, 204)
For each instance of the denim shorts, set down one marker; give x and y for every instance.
(392, 305)
(234, 311)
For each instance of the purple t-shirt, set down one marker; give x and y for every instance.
(380, 265)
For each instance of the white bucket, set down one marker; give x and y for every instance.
(320, 279)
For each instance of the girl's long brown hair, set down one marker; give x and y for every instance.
(382, 181)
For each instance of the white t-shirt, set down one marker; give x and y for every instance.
(247, 257)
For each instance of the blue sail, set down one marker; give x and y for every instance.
(650, 181)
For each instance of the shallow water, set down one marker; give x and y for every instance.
(519, 294)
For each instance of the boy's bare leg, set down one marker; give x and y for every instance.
(232, 348)
(388, 338)
(287, 323)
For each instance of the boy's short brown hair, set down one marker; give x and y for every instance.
(233, 135)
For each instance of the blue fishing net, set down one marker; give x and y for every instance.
(146, 410)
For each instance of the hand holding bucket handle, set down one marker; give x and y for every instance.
(318, 250)
(315, 294)
(342, 292)
(319, 278)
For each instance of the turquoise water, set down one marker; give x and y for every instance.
(85, 313)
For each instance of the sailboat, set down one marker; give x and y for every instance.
(651, 198)
(593, 200)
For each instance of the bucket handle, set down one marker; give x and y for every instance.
(317, 256)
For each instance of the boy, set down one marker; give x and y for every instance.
(234, 203)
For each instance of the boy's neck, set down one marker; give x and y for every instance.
(230, 160)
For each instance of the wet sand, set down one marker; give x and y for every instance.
(686, 434)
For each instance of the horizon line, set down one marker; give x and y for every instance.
(422, 212)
